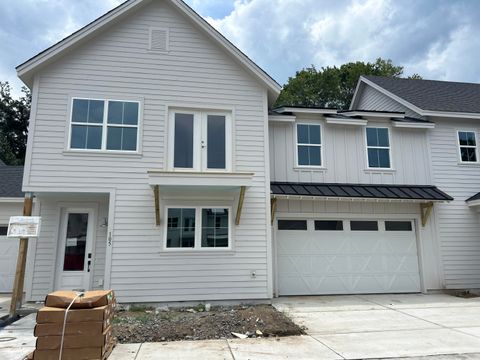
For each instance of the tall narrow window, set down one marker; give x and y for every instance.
(216, 142)
(468, 146)
(378, 148)
(87, 124)
(122, 125)
(183, 141)
(309, 145)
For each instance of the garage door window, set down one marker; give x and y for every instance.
(3, 230)
(328, 225)
(398, 225)
(364, 225)
(292, 224)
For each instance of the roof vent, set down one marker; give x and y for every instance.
(159, 39)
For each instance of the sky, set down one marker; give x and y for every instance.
(437, 39)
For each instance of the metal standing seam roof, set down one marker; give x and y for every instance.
(433, 95)
(365, 191)
(11, 178)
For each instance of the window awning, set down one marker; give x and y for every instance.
(386, 192)
(473, 200)
(190, 183)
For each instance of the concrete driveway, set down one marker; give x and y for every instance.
(386, 326)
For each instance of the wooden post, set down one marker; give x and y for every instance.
(240, 205)
(156, 193)
(17, 294)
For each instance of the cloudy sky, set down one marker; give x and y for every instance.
(438, 39)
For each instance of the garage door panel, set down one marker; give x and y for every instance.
(8, 261)
(347, 262)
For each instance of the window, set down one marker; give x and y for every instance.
(292, 224)
(378, 147)
(328, 225)
(104, 125)
(398, 225)
(200, 141)
(198, 228)
(309, 145)
(3, 230)
(468, 146)
(364, 225)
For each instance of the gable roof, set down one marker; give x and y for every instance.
(11, 184)
(428, 97)
(26, 70)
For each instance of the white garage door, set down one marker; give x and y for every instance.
(8, 261)
(346, 257)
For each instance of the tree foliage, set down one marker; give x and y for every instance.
(332, 86)
(14, 116)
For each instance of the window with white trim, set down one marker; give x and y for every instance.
(309, 145)
(107, 125)
(198, 228)
(378, 147)
(467, 143)
(200, 140)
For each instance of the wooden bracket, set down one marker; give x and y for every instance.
(240, 205)
(156, 193)
(273, 208)
(426, 210)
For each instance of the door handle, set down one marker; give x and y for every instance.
(88, 265)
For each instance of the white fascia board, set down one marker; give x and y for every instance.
(305, 110)
(413, 125)
(451, 114)
(356, 122)
(191, 178)
(374, 114)
(12, 199)
(353, 199)
(473, 203)
(282, 118)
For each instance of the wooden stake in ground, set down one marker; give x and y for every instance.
(17, 293)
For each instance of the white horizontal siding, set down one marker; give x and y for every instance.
(459, 227)
(345, 159)
(195, 71)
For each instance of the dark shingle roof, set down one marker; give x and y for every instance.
(433, 95)
(366, 191)
(11, 178)
(474, 197)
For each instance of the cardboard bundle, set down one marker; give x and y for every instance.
(88, 331)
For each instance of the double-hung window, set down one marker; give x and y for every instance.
(198, 228)
(467, 143)
(378, 147)
(106, 125)
(309, 145)
(200, 140)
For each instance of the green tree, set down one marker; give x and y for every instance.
(332, 86)
(14, 116)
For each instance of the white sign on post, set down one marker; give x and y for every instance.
(24, 226)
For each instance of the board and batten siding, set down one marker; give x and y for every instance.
(195, 72)
(345, 156)
(320, 209)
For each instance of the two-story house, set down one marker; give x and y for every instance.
(161, 171)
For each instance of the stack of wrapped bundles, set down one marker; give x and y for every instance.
(88, 327)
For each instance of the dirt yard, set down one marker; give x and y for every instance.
(150, 325)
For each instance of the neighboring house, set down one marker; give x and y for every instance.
(11, 204)
(158, 165)
(454, 108)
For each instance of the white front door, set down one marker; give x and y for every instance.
(343, 256)
(75, 258)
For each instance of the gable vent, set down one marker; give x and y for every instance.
(158, 39)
